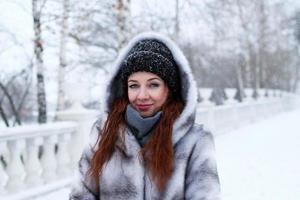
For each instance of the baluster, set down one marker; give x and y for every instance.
(230, 93)
(248, 93)
(275, 93)
(267, 93)
(63, 155)
(205, 94)
(261, 94)
(271, 94)
(279, 92)
(75, 155)
(48, 160)
(277, 100)
(15, 168)
(3, 178)
(3, 175)
(32, 164)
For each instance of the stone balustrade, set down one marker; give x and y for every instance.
(233, 114)
(37, 159)
(32, 156)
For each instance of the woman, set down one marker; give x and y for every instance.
(148, 145)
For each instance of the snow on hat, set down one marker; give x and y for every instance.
(150, 55)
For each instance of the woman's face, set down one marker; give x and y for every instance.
(147, 93)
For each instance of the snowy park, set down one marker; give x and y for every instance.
(233, 67)
(255, 162)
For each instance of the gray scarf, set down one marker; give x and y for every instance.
(140, 127)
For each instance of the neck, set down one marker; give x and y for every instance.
(141, 127)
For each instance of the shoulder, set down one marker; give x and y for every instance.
(95, 133)
(197, 138)
(199, 133)
(204, 145)
(202, 140)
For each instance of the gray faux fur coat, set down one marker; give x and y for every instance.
(124, 177)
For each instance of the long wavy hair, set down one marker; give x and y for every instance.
(157, 154)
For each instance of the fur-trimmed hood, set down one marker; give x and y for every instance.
(188, 84)
(124, 176)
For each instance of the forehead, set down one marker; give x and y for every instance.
(143, 76)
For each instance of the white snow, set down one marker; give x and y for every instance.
(62, 194)
(256, 162)
(261, 161)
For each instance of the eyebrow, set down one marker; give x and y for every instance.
(153, 79)
(147, 80)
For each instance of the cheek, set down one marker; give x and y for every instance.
(131, 96)
(164, 96)
(161, 96)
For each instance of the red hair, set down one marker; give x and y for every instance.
(157, 154)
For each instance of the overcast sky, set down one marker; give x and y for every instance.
(15, 17)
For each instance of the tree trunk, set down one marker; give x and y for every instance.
(177, 24)
(262, 42)
(297, 72)
(123, 15)
(256, 74)
(238, 69)
(62, 57)
(38, 51)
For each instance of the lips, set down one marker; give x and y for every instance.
(144, 107)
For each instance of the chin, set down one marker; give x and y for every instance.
(147, 114)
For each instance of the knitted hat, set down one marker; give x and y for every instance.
(150, 55)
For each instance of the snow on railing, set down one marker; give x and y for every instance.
(38, 159)
(34, 155)
(233, 114)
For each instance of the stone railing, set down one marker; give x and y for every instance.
(233, 114)
(35, 160)
(32, 156)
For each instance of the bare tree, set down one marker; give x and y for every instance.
(122, 9)
(62, 55)
(177, 21)
(37, 7)
(14, 92)
(297, 36)
(100, 28)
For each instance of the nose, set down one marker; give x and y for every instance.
(143, 94)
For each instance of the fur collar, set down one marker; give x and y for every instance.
(189, 89)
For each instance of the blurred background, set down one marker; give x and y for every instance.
(56, 54)
(229, 43)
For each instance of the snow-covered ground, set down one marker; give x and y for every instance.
(257, 162)
(62, 194)
(261, 161)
